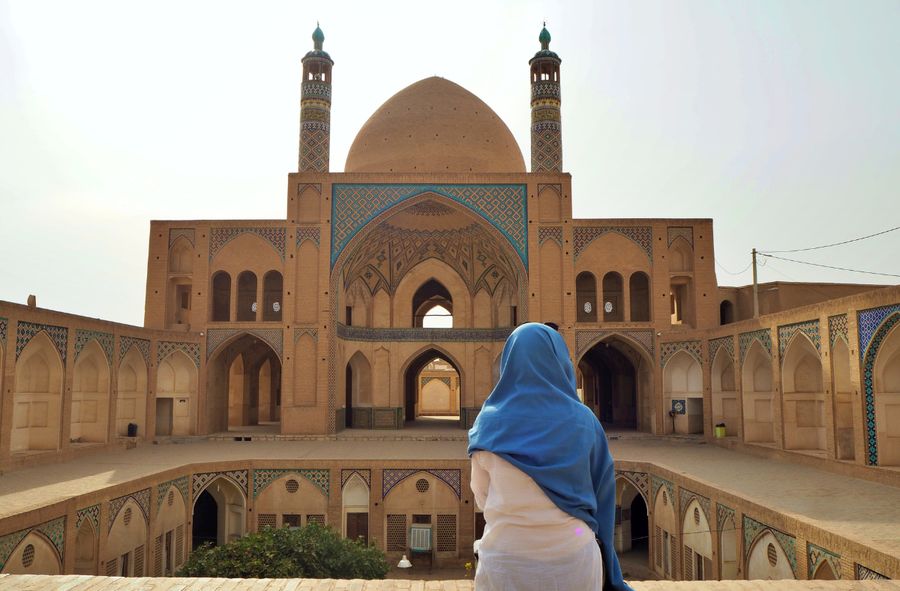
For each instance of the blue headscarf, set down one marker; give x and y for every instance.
(534, 420)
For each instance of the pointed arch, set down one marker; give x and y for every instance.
(221, 297)
(665, 533)
(586, 297)
(355, 508)
(681, 255)
(683, 388)
(757, 394)
(131, 401)
(841, 385)
(86, 549)
(176, 395)
(803, 395)
(725, 400)
(766, 558)
(181, 256)
(697, 543)
(37, 401)
(90, 396)
(34, 555)
(218, 512)
(881, 373)
(125, 551)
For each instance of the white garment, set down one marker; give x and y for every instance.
(529, 544)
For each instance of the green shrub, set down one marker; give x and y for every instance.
(313, 552)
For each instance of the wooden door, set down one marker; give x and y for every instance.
(358, 526)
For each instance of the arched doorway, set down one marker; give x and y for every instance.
(632, 530)
(219, 514)
(244, 386)
(430, 302)
(614, 380)
(432, 388)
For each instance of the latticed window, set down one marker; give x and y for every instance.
(179, 545)
(674, 543)
(265, 520)
(446, 533)
(320, 519)
(157, 556)
(396, 533)
(112, 567)
(657, 544)
(139, 561)
(688, 564)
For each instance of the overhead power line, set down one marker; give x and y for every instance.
(741, 272)
(762, 254)
(833, 244)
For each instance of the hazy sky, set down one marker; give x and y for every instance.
(780, 120)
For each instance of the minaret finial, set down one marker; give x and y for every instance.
(544, 37)
(318, 37)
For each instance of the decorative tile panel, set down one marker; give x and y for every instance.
(658, 482)
(359, 333)
(716, 344)
(867, 574)
(723, 514)
(54, 530)
(746, 339)
(104, 339)
(425, 380)
(299, 332)
(837, 328)
(868, 322)
(219, 237)
(91, 513)
(199, 481)
(640, 480)
(785, 333)
(4, 323)
(310, 233)
(667, 350)
(355, 205)
(141, 497)
(393, 477)
(868, 371)
(262, 478)
(550, 233)
(686, 498)
(364, 473)
(640, 235)
(753, 529)
(816, 555)
(686, 232)
(585, 339)
(142, 345)
(25, 331)
(180, 483)
(274, 337)
(176, 233)
(166, 348)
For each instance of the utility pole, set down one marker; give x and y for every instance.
(755, 288)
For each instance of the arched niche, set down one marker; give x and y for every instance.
(726, 312)
(757, 394)
(218, 515)
(247, 304)
(273, 296)
(482, 310)
(431, 295)
(125, 551)
(169, 530)
(305, 371)
(844, 434)
(176, 395)
(804, 396)
(355, 509)
(505, 304)
(422, 498)
(766, 559)
(433, 361)
(728, 549)
(357, 301)
(220, 310)
(181, 257)
(613, 297)
(632, 532)
(36, 423)
(357, 388)
(306, 307)
(697, 543)
(683, 381)
(34, 555)
(586, 297)
(725, 402)
(90, 396)
(665, 533)
(886, 373)
(433, 273)
(550, 266)
(681, 256)
(639, 296)
(131, 398)
(86, 549)
(291, 500)
(825, 573)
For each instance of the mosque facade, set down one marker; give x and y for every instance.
(323, 323)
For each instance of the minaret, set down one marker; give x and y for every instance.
(315, 107)
(546, 126)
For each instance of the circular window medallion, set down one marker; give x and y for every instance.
(608, 307)
(28, 555)
(421, 485)
(588, 307)
(253, 307)
(772, 554)
(292, 486)
(127, 517)
(696, 516)
(171, 497)
(276, 306)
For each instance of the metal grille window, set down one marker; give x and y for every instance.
(139, 561)
(265, 520)
(157, 556)
(446, 533)
(396, 533)
(320, 519)
(290, 520)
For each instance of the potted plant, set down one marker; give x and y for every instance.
(720, 430)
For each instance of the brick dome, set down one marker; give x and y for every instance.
(434, 125)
